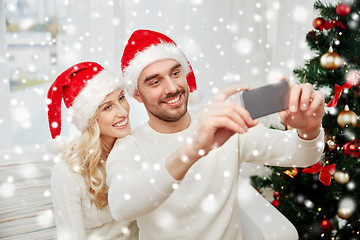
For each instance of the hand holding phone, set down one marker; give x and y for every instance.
(266, 100)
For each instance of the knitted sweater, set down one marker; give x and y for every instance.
(77, 217)
(204, 204)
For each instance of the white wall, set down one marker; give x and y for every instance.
(226, 41)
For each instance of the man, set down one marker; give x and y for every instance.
(177, 174)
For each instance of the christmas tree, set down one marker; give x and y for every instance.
(322, 201)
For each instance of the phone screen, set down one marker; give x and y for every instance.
(266, 100)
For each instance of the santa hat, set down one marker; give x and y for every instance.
(145, 47)
(83, 87)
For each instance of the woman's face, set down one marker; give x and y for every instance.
(113, 118)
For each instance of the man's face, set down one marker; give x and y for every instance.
(163, 89)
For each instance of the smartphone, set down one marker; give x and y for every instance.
(266, 100)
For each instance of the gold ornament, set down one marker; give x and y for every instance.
(347, 118)
(346, 208)
(330, 60)
(331, 144)
(291, 172)
(341, 177)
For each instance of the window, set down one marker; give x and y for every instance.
(31, 30)
(31, 54)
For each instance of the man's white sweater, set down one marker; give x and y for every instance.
(204, 204)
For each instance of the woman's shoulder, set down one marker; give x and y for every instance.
(62, 172)
(61, 168)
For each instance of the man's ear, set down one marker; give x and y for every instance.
(137, 96)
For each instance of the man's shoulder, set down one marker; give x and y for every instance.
(132, 139)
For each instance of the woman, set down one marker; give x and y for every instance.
(98, 108)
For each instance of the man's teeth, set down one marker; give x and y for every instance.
(174, 100)
(120, 124)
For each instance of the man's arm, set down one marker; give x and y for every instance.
(137, 188)
(273, 147)
(279, 148)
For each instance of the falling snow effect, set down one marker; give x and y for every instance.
(25, 191)
(210, 38)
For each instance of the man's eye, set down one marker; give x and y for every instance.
(155, 82)
(176, 73)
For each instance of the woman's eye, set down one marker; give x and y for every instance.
(121, 98)
(107, 107)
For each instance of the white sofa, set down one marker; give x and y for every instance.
(260, 219)
(26, 211)
(25, 203)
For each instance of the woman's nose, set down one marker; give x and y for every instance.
(121, 111)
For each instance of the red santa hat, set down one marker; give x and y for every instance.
(145, 47)
(83, 87)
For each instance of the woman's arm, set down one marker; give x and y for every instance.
(66, 196)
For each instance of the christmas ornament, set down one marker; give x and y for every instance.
(347, 118)
(330, 60)
(341, 177)
(353, 77)
(312, 35)
(346, 208)
(291, 173)
(331, 144)
(338, 91)
(352, 149)
(318, 23)
(326, 225)
(343, 9)
(275, 202)
(276, 195)
(325, 172)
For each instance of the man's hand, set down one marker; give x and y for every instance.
(306, 110)
(221, 119)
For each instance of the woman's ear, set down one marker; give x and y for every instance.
(137, 96)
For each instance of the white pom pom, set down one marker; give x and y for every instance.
(56, 146)
(195, 98)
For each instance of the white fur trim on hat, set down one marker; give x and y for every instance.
(91, 96)
(152, 54)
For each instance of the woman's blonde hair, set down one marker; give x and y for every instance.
(84, 157)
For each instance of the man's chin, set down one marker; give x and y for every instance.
(171, 117)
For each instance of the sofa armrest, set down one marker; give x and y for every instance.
(260, 219)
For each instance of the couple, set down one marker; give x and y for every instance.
(176, 175)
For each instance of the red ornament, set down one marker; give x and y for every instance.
(343, 9)
(353, 77)
(326, 225)
(276, 195)
(318, 23)
(275, 203)
(325, 172)
(352, 149)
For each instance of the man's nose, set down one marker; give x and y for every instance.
(170, 85)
